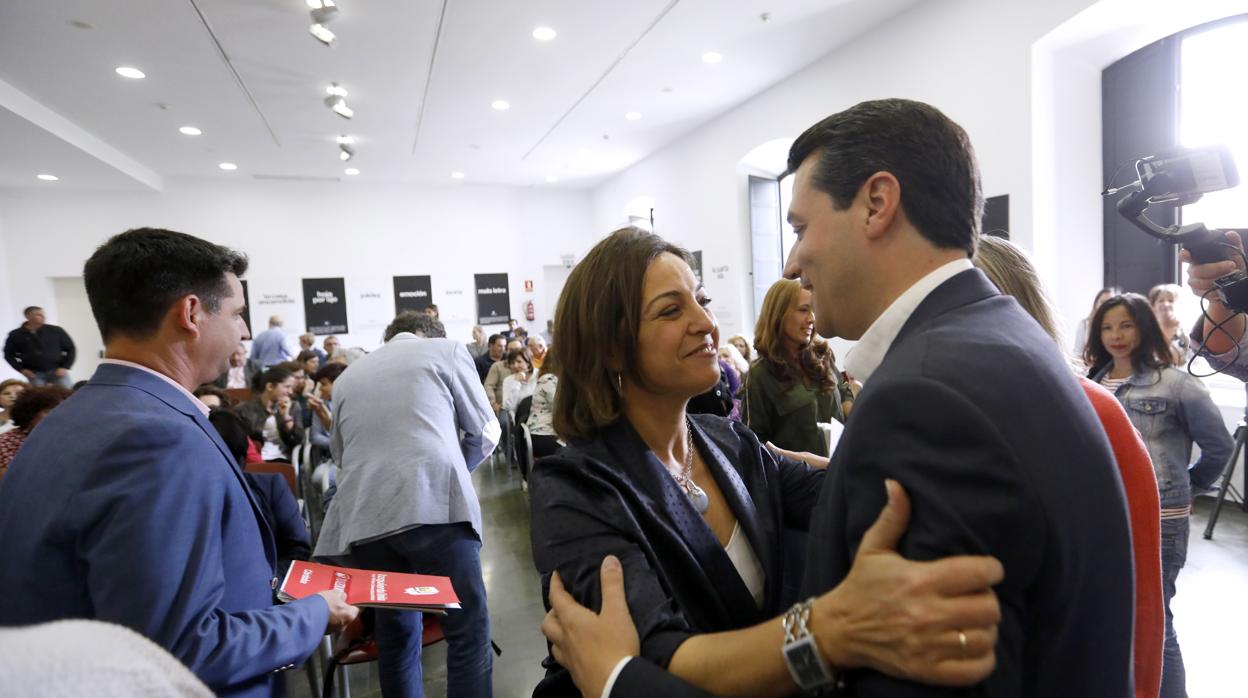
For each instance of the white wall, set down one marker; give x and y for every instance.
(10, 312)
(1029, 117)
(295, 230)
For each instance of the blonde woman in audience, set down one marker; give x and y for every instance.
(794, 384)
(1163, 298)
(542, 410)
(9, 392)
(729, 353)
(743, 346)
(1011, 271)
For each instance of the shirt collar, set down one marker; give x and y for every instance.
(189, 395)
(869, 352)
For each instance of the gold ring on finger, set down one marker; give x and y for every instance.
(962, 640)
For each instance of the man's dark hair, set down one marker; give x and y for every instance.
(233, 431)
(30, 309)
(305, 356)
(927, 152)
(329, 372)
(32, 401)
(494, 338)
(418, 324)
(133, 278)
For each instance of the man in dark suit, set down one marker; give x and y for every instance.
(965, 403)
(144, 518)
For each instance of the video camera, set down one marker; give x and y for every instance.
(1178, 178)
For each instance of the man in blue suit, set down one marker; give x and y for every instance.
(125, 505)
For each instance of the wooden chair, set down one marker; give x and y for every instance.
(286, 470)
(240, 395)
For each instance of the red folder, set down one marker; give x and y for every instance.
(394, 590)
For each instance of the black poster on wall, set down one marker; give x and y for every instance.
(325, 305)
(493, 299)
(247, 309)
(697, 264)
(412, 293)
(996, 220)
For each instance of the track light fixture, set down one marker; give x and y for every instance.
(322, 12)
(337, 101)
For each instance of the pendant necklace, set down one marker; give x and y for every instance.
(696, 494)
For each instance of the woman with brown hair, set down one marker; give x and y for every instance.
(794, 384)
(691, 505)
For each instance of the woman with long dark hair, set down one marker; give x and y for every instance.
(1131, 356)
(794, 383)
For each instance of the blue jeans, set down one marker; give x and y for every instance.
(50, 378)
(448, 550)
(1174, 534)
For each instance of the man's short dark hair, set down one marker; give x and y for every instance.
(494, 338)
(233, 431)
(418, 324)
(135, 277)
(30, 309)
(929, 154)
(329, 372)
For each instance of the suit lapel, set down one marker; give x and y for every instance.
(962, 289)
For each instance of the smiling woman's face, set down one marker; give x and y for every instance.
(678, 338)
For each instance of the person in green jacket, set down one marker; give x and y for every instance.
(794, 383)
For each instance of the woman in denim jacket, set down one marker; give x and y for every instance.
(1130, 356)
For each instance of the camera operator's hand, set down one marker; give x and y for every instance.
(1201, 277)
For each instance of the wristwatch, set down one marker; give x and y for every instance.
(806, 664)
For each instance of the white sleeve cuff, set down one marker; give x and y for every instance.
(615, 674)
(492, 432)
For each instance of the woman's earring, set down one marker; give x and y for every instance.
(619, 382)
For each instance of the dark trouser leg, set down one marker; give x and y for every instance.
(398, 632)
(1174, 534)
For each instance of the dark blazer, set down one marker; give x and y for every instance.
(46, 349)
(144, 519)
(612, 495)
(281, 511)
(975, 412)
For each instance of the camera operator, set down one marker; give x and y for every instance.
(1220, 346)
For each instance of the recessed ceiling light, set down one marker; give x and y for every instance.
(228, 166)
(551, 179)
(544, 34)
(318, 4)
(190, 131)
(500, 105)
(336, 90)
(132, 73)
(351, 172)
(633, 115)
(346, 140)
(322, 33)
(712, 57)
(457, 175)
(48, 177)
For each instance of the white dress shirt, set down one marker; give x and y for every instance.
(867, 355)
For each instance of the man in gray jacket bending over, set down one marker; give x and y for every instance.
(405, 500)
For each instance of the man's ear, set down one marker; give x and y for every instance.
(881, 198)
(189, 314)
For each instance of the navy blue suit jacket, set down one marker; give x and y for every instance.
(281, 511)
(612, 495)
(124, 505)
(975, 412)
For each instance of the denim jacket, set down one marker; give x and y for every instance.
(1171, 409)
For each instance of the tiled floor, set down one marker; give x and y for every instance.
(1211, 608)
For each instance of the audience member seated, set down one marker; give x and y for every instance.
(496, 347)
(303, 387)
(242, 371)
(9, 391)
(322, 404)
(1162, 298)
(743, 346)
(31, 407)
(729, 352)
(542, 410)
(310, 363)
(536, 344)
(307, 343)
(478, 345)
(522, 381)
(277, 502)
(213, 397)
(331, 347)
(273, 419)
(640, 479)
(498, 373)
(794, 384)
(1011, 271)
(1131, 357)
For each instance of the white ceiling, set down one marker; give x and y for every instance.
(419, 113)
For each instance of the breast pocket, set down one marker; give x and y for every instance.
(1149, 415)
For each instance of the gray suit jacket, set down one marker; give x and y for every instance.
(398, 416)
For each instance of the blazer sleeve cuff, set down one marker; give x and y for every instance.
(615, 674)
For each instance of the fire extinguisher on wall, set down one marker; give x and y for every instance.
(529, 313)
